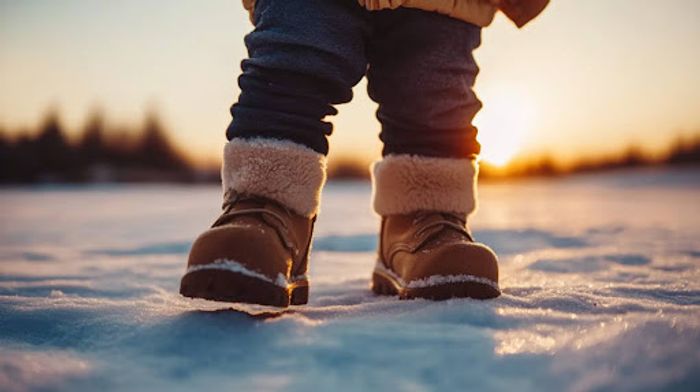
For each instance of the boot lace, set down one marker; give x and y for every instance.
(449, 220)
(231, 198)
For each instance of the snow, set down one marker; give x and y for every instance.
(600, 279)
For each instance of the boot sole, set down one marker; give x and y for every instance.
(385, 284)
(229, 286)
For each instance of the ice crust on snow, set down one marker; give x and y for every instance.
(435, 280)
(599, 293)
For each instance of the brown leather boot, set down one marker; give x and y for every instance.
(426, 250)
(258, 250)
(432, 255)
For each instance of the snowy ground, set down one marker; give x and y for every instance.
(601, 278)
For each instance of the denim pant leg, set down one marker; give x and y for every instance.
(421, 72)
(304, 57)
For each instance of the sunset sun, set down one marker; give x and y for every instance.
(504, 124)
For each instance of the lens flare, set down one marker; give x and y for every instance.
(504, 123)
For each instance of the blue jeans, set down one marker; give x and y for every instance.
(306, 55)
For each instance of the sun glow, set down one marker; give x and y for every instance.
(504, 124)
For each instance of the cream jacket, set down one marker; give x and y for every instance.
(478, 12)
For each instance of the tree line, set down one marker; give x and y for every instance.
(685, 151)
(146, 154)
(95, 155)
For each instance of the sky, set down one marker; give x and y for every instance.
(586, 78)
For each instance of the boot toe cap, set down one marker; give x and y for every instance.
(461, 259)
(252, 247)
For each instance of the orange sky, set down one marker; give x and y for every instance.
(587, 77)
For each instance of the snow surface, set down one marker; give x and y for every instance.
(600, 279)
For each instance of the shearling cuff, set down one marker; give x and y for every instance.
(404, 184)
(286, 172)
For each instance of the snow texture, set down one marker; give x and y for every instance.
(600, 280)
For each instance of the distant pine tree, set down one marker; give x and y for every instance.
(52, 152)
(6, 158)
(685, 152)
(92, 144)
(155, 150)
(633, 157)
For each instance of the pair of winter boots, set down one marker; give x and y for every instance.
(257, 251)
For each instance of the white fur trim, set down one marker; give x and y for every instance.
(404, 184)
(283, 171)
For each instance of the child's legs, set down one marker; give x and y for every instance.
(304, 56)
(421, 72)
